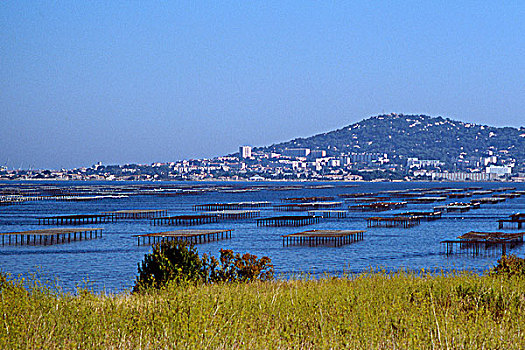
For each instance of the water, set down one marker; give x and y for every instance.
(110, 263)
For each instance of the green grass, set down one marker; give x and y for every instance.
(370, 310)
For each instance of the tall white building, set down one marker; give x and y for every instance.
(245, 152)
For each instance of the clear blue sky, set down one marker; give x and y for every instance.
(123, 82)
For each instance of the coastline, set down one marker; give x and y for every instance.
(257, 181)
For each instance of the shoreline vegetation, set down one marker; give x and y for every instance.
(374, 309)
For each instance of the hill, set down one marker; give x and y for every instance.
(402, 136)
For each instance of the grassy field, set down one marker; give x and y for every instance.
(370, 310)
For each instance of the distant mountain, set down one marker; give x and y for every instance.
(425, 137)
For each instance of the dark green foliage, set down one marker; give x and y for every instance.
(169, 261)
(509, 265)
(178, 261)
(234, 267)
(403, 136)
(4, 281)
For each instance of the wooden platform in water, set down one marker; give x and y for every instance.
(459, 195)
(488, 200)
(286, 188)
(82, 198)
(507, 195)
(426, 199)
(389, 222)
(234, 214)
(307, 206)
(517, 216)
(187, 220)
(194, 236)
(481, 192)
(438, 193)
(504, 189)
(307, 199)
(74, 219)
(231, 206)
(474, 241)
(379, 206)
(356, 195)
(8, 200)
(493, 236)
(423, 215)
(461, 207)
(135, 214)
(329, 213)
(408, 195)
(366, 199)
(288, 220)
(509, 223)
(514, 221)
(50, 236)
(318, 237)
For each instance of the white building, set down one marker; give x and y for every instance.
(298, 165)
(490, 160)
(499, 170)
(423, 163)
(245, 152)
(335, 163)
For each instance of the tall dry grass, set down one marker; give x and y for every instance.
(371, 310)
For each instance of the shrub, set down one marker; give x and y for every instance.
(509, 265)
(233, 267)
(4, 281)
(177, 261)
(170, 261)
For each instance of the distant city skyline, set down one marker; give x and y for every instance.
(122, 82)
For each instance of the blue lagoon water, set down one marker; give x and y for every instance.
(110, 263)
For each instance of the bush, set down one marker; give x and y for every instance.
(170, 261)
(234, 267)
(177, 261)
(4, 281)
(508, 266)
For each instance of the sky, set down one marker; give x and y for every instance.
(147, 81)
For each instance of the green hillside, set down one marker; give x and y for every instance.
(425, 137)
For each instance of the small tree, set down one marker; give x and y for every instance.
(233, 267)
(179, 261)
(509, 265)
(170, 261)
